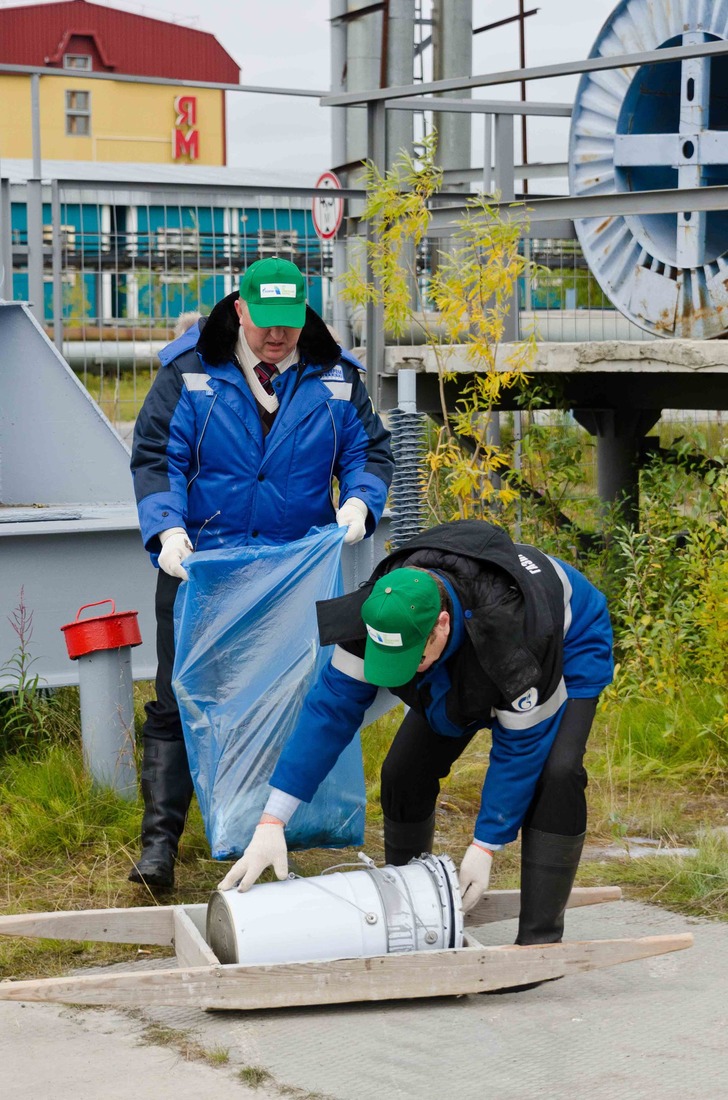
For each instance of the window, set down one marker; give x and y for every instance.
(77, 61)
(78, 113)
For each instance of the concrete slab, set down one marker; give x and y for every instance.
(655, 1028)
(66, 1053)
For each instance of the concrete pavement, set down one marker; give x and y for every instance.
(654, 1028)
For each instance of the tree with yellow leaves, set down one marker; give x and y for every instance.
(470, 290)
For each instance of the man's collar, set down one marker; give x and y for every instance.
(250, 360)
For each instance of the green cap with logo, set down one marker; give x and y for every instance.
(399, 617)
(276, 294)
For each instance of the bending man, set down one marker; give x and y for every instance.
(471, 631)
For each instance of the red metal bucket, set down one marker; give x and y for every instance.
(110, 631)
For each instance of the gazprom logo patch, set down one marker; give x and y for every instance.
(527, 701)
(383, 637)
(277, 290)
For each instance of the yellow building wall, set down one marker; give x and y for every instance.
(129, 122)
(15, 117)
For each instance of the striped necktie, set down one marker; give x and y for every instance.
(265, 372)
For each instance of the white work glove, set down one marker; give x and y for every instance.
(353, 514)
(474, 874)
(267, 848)
(176, 546)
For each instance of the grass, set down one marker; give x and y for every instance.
(120, 394)
(192, 1051)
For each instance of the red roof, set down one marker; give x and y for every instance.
(118, 41)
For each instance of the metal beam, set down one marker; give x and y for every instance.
(369, 9)
(502, 22)
(377, 154)
(533, 170)
(482, 106)
(542, 72)
(539, 211)
(34, 204)
(121, 78)
(6, 242)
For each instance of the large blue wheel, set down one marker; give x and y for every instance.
(652, 128)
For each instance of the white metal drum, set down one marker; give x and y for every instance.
(354, 914)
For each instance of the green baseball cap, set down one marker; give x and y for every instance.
(276, 294)
(399, 617)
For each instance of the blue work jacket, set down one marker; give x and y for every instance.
(201, 461)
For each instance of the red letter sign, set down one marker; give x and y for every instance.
(185, 144)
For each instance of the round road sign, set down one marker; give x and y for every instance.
(328, 210)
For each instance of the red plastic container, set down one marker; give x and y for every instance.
(110, 631)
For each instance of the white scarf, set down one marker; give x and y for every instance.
(248, 361)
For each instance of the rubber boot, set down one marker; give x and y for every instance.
(548, 869)
(167, 792)
(406, 840)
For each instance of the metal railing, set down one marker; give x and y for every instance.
(111, 265)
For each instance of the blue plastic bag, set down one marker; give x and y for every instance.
(246, 654)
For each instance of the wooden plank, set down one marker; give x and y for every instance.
(152, 924)
(505, 904)
(198, 916)
(189, 945)
(384, 977)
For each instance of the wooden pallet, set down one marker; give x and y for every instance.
(202, 981)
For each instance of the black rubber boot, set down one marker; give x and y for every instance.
(167, 791)
(405, 840)
(548, 869)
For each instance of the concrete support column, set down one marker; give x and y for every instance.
(619, 433)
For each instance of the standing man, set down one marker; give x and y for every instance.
(470, 630)
(255, 411)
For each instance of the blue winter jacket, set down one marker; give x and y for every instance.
(200, 459)
(528, 633)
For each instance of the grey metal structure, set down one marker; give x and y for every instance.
(107, 719)
(619, 417)
(68, 523)
(69, 533)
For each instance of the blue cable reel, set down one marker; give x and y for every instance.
(657, 127)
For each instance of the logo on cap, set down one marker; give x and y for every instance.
(384, 638)
(277, 290)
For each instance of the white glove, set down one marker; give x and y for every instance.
(267, 848)
(176, 546)
(353, 514)
(474, 874)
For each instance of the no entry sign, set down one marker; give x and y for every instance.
(328, 209)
